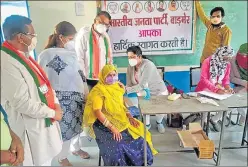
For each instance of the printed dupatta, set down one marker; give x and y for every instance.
(95, 54)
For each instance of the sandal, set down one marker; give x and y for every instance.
(65, 162)
(82, 154)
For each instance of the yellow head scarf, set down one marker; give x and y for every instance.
(113, 108)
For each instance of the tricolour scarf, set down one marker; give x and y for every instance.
(40, 78)
(95, 54)
(218, 65)
(241, 61)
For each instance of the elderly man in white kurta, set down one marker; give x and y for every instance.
(27, 96)
(92, 45)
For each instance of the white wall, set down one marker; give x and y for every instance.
(46, 14)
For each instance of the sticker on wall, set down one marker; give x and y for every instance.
(79, 8)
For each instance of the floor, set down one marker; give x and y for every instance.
(170, 142)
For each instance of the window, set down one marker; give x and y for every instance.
(10, 8)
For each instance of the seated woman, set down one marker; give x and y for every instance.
(215, 77)
(59, 61)
(142, 73)
(119, 136)
(239, 75)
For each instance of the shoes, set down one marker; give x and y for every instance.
(82, 154)
(160, 127)
(189, 119)
(65, 162)
(242, 120)
(216, 126)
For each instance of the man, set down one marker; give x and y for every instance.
(173, 5)
(218, 34)
(92, 45)
(161, 6)
(125, 8)
(27, 96)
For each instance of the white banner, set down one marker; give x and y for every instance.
(158, 27)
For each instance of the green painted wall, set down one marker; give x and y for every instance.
(236, 19)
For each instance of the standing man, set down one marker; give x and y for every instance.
(27, 95)
(218, 33)
(93, 46)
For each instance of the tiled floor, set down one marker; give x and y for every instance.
(170, 142)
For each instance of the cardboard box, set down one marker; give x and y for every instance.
(196, 138)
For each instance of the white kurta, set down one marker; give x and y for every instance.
(26, 113)
(83, 51)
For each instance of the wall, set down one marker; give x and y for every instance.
(46, 14)
(236, 19)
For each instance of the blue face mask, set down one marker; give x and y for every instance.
(111, 80)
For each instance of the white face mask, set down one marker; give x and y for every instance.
(70, 45)
(32, 45)
(132, 62)
(101, 28)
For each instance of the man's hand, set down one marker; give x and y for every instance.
(17, 149)
(58, 112)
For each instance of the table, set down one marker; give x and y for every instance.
(238, 100)
(160, 105)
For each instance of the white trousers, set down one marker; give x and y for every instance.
(159, 118)
(69, 146)
(28, 159)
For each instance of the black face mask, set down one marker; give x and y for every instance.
(217, 25)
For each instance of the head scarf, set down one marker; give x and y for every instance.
(218, 65)
(113, 108)
(241, 61)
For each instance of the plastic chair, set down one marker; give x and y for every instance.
(195, 74)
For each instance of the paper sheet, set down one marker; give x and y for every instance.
(215, 95)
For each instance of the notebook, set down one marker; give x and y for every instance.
(215, 95)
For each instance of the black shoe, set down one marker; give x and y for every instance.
(189, 119)
(215, 125)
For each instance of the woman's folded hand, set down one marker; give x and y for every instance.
(116, 134)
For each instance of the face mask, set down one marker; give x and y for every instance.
(101, 28)
(111, 80)
(132, 62)
(70, 45)
(215, 21)
(32, 45)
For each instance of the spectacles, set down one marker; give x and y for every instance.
(33, 35)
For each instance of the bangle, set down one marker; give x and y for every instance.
(107, 123)
(104, 122)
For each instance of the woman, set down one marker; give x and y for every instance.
(117, 133)
(239, 75)
(59, 61)
(12, 152)
(142, 73)
(215, 77)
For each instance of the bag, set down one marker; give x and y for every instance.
(171, 89)
(175, 120)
